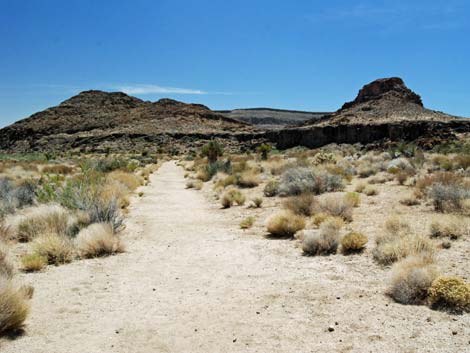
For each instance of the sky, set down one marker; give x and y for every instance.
(303, 55)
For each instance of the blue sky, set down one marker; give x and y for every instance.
(306, 55)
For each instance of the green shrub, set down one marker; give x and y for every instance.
(285, 224)
(212, 151)
(353, 242)
(450, 293)
(271, 188)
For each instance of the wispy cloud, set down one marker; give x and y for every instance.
(155, 89)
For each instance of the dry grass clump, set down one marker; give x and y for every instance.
(353, 198)
(231, 197)
(450, 293)
(257, 202)
(299, 180)
(360, 187)
(248, 179)
(57, 249)
(397, 242)
(114, 190)
(353, 242)
(44, 219)
(367, 170)
(98, 239)
(449, 227)
(247, 222)
(336, 205)
(370, 191)
(325, 241)
(58, 169)
(411, 280)
(449, 198)
(302, 205)
(271, 188)
(285, 224)
(6, 266)
(14, 307)
(410, 201)
(130, 180)
(194, 184)
(33, 262)
(319, 218)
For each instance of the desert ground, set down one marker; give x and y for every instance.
(191, 280)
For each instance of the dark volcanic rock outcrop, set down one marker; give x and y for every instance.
(383, 110)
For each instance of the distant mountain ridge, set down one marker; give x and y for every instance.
(271, 117)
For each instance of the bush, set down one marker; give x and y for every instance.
(212, 151)
(370, 191)
(55, 248)
(106, 212)
(257, 202)
(325, 241)
(360, 187)
(271, 188)
(410, 201)
(335, 205)
(194, 184)
(353, 242)
(247, 222)
(353, 198)
(448, 197)
(319, 218)
(411, 279)
(264, 150)
(302, 205)
(39, 220)
(285, 224)
(14, 196)
(296, 181)
(247, 179)
(450, 293)
(6, 267)
(98, 239)
(14, 307)
(231, 197)
(129, 180)
(33, 262)
(450, 227)
(366, 171)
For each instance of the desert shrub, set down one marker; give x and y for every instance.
(130, 180)
(271, 188)
(353, 198)
(336, 205)
(39, 220)
(302, 205)
(6, 267)
(449, 227)
(264, 150)
(98, 239)
(325, 241)
(257, 202)
(14, 307)
(212, 151)
(323, 158)
(370, 191)
(450, 293)
(402, 177)
(55, 248)
(365, 171)
(33, 262)
(410, 201)
(411, 280)
(231, 197)
(247, 179)
(106, 212)
(462, 161)
(247, 222)
(194, 184)
(360, 187)
(319, 218)
(448, 197)
(285, 224)
(353, 242)
(397, 242)
(13, 196)
(296, 181)
(58, 169)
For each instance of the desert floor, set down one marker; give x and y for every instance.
(192, 281)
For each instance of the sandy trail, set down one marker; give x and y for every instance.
(191, 281)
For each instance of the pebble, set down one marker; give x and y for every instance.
(331, 328)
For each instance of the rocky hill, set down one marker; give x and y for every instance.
(97, 120)
(268, 118)
(384, 109)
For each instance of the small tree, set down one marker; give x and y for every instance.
(212, 151)
(264, 149)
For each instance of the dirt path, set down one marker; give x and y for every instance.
(191, 281)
